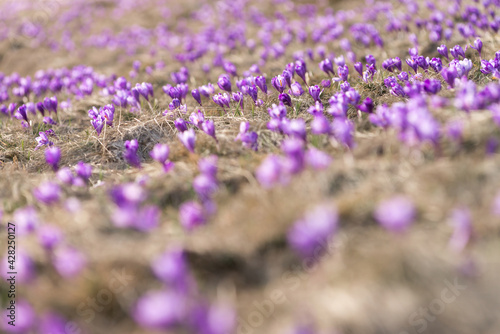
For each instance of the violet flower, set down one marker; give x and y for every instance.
(315, 92)
(296, 89)
(68, 261)
(159, 310)
(260, 81)
(83, 170)
(224, 82)
(52, 157)
(309, 236)
(462, 228)
(196, 95)
(47, 193)
(192, 215)
(131, 153)
(395, 214)
(160, 153)
(443, 51)
(208, 127)
(188, 139)
(171, 268)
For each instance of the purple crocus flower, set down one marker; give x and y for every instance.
(49, 236)
(65, 176)
(260, 81)
(131, 153)
(285, 99)
(309, 236)
(52, 157)
(205, 186)
(443, 51)
(296, 89)
(191, 215)
(326, 66)
(48, 193)
(478, 46)
(343, 130)
(279, 83)
(343, 72)
(208, 127)
(457, 51)
(301, 69)
(171, 267)
(196, 95)
(25, 321)
(159, 310)
(21, 113)
(462, 228)
(180, 125)
(224, 82)
(26, 219)
(196, 118)
(208, 166)
(270, 171)
(413, 64)
(188, 139)
(25, 268)
(315, 92)
(358, 67)
(160, 153)
(68, 261)
(253, 92)
(42, 140)
(367, 106)
(317, 159)
(83, 170)
(395, 214)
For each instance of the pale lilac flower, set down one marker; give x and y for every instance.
(26, 220)
(188, 139)
(47, 193)
(171, 268)
(24, 266)
(25, 319)
(52, 157)
(192, 215)
(309, 236)
(395, 214)
(462, 228)
(49, 236)
(68, 261)
(131, 153)
(159, 309)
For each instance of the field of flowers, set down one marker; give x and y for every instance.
(234, 166)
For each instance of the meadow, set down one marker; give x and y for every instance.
(244, 167)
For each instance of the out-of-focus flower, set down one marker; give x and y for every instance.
(159, 309)
(188, 139)
(395, 214)
(47, 193)
(25, 321)
(68, 261)
(462, 228)
(191, 215)
(52, 157)
(131, 153)
(24, 265)
(309, 236)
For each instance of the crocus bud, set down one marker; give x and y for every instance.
(196, 95)
(52, 157)
(224, 83)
